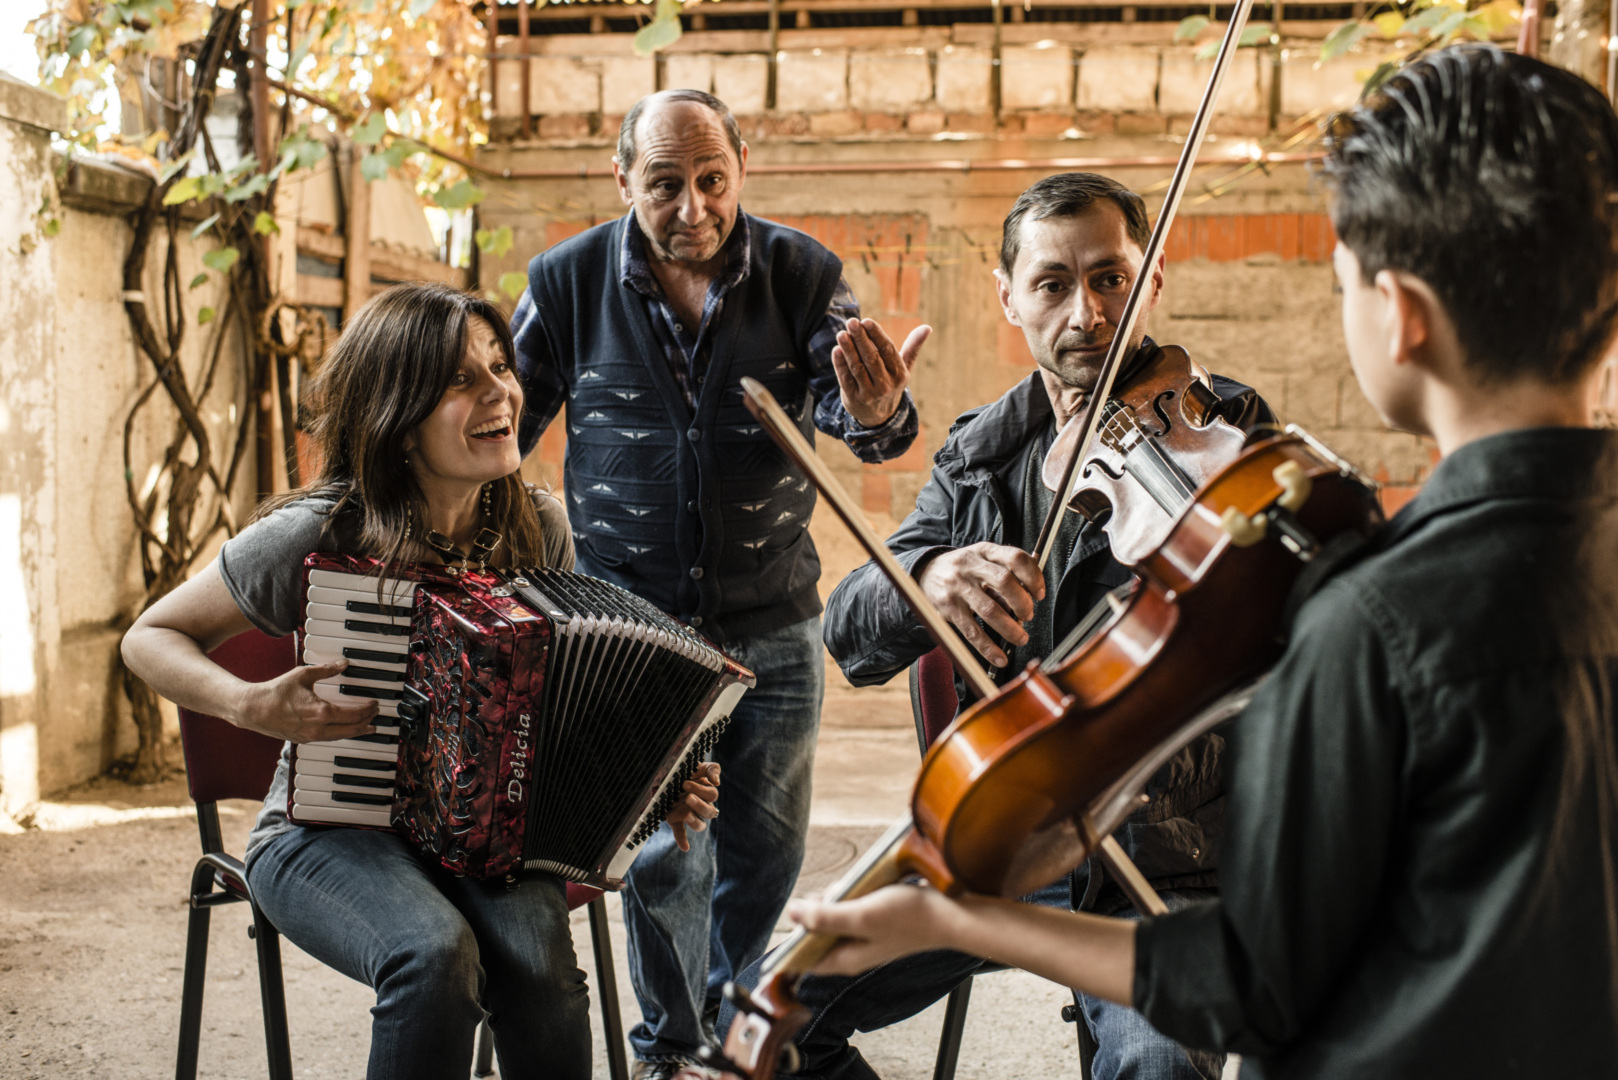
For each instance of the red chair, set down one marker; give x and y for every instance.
(933, 703)
(223, 761)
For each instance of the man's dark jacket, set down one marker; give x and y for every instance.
(976, 495)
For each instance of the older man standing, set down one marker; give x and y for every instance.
(645, 326)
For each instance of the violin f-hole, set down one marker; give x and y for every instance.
(1097, 463)
(1162, 414)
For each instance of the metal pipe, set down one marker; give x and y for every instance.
(960, 165)
(1528, 29)
(775, 44)
(494, 62)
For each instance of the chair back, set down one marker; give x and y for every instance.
(932, 696)
(223, 761)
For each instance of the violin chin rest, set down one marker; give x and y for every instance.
(1043, 857)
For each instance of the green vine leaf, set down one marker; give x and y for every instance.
(495, 243)
(374, 166)
(369, 131)
(661, 32)
(207, 223)
(264, 224)
(1254, 34)
(459, 196)
(1342, 39)
(513, 282)
(1190, 27)
(184, 191)
(177, 165)
(205, 316)
(221, 260)
(257, 184)
(199, 280)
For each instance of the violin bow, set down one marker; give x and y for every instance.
(1091, 417)
(762, 404)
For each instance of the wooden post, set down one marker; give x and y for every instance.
(775, 44)
(994, 62)
(357, 238)
(494, 65)
(527, 67)
(1275, 63)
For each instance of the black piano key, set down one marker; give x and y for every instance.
(384, 740)
(370, 691)
(355, 626)
(347, 762)
(375, 656)
(363, 781)
(378, 609)
(377, 674)
(363, 800)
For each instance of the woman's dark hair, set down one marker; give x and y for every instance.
(1489, 176)
(1067, 195)
(386, 374)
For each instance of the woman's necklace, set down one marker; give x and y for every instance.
(483, 546)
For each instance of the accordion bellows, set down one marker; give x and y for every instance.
(545, 720)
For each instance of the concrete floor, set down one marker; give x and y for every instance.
(92, 929)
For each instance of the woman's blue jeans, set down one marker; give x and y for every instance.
(696, 919)
(438, 949)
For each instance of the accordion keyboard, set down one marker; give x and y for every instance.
(352, 781)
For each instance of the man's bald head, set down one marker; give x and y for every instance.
(653, 103)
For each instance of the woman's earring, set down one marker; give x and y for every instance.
(410, 520)
(487, 498)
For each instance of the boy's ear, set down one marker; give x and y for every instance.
(1411, 308)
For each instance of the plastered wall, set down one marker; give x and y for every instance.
(69, 372)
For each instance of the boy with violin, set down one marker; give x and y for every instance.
(1418, 872)
(1073, 245)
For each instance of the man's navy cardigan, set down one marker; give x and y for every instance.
(700, 513)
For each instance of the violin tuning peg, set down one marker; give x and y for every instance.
(1243, 531)
(740, 999)
(710, 1058)
(1295, 485)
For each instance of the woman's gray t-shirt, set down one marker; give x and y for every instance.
(262, 566)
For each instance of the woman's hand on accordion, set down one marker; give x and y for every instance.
(699, 805)
(288, 708)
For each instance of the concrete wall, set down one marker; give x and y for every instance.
(69, 372)
(1248, 289)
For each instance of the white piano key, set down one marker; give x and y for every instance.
(331, 751)
(390, 749)
(393, 591)
(358, 601)
(328, 692)
(377, 768)
(308, 781)
(363, 639)
(341, 615)
(329, 798)
(328, 649)
(309, 814)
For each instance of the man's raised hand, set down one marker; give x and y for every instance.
(288, 708)
(992, 582)
(871, 371)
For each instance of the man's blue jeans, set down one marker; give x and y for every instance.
(1128, 1048)
(695, 919)
(438, 949)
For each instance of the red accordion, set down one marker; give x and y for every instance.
(528, 719)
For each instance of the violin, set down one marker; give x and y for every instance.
(1160, 435)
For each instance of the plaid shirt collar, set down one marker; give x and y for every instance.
(635, 269)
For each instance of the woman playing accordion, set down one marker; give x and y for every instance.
(417, 411)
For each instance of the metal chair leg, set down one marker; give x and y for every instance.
(1087, 1041)
(483, 1060)
(949, 1039)
(612, 1024)
(196, 971)
(272, 994)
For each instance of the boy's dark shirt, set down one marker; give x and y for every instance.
(1399, 897)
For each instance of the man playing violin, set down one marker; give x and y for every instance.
(1073, 245)
(1418, 869)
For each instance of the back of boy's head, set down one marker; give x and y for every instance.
(1492, 178)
